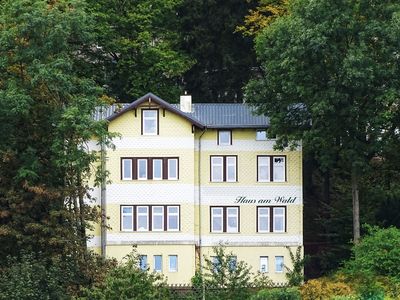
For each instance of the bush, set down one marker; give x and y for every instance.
(128, 281)
(324, 288)
(33, 277)
(278, 294)
(377, 254)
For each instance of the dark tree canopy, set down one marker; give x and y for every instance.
(224, 59)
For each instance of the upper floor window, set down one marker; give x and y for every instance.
(224, 219)
(261, 135)
(150, 168)
(271, 219)
(150, 218)
(149, 121)
(223, 168)
(271, 168)
(224, 137)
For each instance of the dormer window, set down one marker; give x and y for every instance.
(149, 121)
(224, 137)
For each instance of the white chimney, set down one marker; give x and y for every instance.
(186, 103)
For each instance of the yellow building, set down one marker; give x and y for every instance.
(187, 177)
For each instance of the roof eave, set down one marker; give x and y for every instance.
(162, 103)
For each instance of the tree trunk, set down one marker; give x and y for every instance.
(356, 206)
(82, 223)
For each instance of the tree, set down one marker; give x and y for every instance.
(263, 15)
(224, 277)
(128, 281)
(224, 59)
(330, 78)
(137, 48)
(46, 120)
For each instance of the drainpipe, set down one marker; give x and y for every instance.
(200, 218)
(103, 223)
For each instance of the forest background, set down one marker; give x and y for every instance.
(61, 59)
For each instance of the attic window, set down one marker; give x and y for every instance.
(261, 135)
(224, 137)
(150, 121)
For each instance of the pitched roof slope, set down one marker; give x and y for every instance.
(210, 115)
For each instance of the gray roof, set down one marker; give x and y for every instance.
(211, 115)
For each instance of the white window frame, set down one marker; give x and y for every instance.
(176, 169)
(128, 215)
(161, 263)
(172, 215)
(261, 131)
(154, 169)
(230, 164)
(171, 268)
(264, 261)
(213, 215)
(144, 118)
(280, 215)
(279, 268)
(217, 164)
(232, 262)
(266, 164)
(229, 142)
(138, 169)
(142, 214)
(275, 165)
(154, 214)
(230, 215)
(263, 216)
(142, 266)
(125, 160)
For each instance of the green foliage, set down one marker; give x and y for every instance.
(137, 48)
(128, 281)
(33, 277)
(224, 276)
(325, 288)
(277, 294)
(224, 59)
(295, 276)
(378, 254)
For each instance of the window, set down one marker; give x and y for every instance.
(232, 263)
(158, 218)
(142, 169)
(126, 218)
(157, 169)
(126, 169)
(271, 168)
(142, 218)
(149, 121)
(263, 219)
(157, 263)
(279, 264)
(173, 218)
(261, 135)
(173, 263)
(223, 168)
(150, 217)
(264, 264)
(224, 137)
(216, 264)
(263, 169)
(172, 169)
(224, 219)
(232, 219)
(143, 262)
(279, 219)
(145, 168)
(271, 219)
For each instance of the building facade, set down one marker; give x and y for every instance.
(184, 178)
